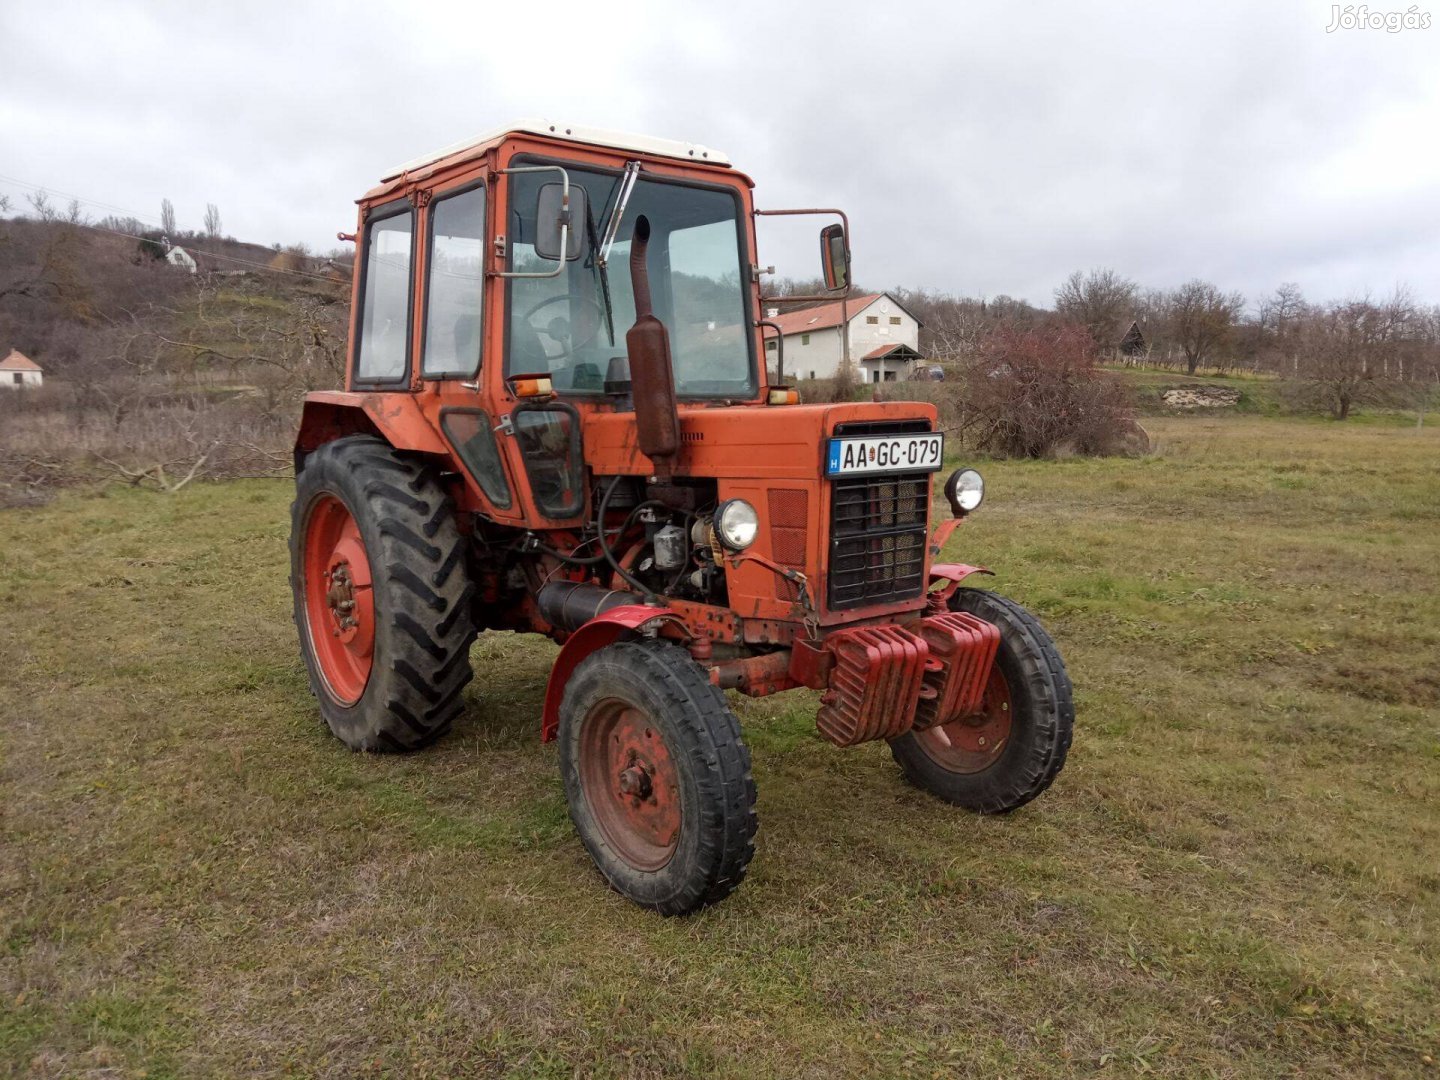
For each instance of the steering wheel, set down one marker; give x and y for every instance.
(558, 328)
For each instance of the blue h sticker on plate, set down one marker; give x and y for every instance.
(834, 465)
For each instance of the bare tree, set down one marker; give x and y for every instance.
(1201, 320)
(212, 221)
(41, 204)
(4, 204)
(1359, 352)
(167, 217)
(1100, 300)
(1278, 325)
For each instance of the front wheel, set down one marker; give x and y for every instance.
(1013, 749)
(657, 776)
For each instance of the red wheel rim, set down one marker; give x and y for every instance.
(339, 600)
(973, 743)
(630, 784)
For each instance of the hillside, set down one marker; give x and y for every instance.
(148, 366)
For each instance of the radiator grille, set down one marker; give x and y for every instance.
(877, 539)
(789, 509)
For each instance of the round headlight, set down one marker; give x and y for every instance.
(966, 490)
(736, 523)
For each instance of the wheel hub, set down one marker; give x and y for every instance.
(973, 743)
(635, 782)
(631, 784)
(339, 600)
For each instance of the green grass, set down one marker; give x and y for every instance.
(1236, 874)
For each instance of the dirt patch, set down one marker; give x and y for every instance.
(1200, 397)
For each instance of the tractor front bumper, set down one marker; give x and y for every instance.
(880, 681)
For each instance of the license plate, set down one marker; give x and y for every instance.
(885, 453)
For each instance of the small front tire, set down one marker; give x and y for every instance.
(657, 776)
(1014, 748)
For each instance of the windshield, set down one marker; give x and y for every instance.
(573, 325)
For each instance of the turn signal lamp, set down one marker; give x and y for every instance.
(532, 386)
(784, 396)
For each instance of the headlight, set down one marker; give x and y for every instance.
(736, 523)
(966, 490)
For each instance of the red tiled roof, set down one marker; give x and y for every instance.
(18, 361)
(905, 352)
(822, 317)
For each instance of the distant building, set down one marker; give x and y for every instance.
(17, 369)
(884, 339)
(339, 273)
(179, 257)
(1133, 344)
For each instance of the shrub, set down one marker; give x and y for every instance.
(1037, 392)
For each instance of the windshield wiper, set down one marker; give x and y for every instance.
(612, 226)
(604, 277)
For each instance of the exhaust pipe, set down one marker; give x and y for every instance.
(571, 604)
(652, 378)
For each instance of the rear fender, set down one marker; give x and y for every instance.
(397, 418)
(628, 620)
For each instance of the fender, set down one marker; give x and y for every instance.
(605, 629)
(397, 418)
(952, 574)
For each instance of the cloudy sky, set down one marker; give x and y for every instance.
(979, 149)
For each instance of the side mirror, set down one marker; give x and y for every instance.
(835, 257)
(550, 216)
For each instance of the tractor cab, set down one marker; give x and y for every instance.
(558, 419)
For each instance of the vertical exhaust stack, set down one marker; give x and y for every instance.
(651, 376)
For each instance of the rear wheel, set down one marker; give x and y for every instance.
(1015, 746)
(381, 595)
(657, 776)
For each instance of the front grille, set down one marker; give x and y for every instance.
(877, 539)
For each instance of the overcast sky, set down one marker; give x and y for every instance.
(979, 149)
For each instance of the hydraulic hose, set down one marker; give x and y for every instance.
(625, 575)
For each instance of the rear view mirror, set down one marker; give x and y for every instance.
(835, 257)
(550, 217)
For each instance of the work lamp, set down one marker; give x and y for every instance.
(966, 490)
(736, 523)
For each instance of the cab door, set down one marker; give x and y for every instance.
(452, 316)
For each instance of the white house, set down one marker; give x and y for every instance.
(17, 369)
(884, 339)
(179, 257)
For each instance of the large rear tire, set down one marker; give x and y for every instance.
(1014, 748)
(381, 595)
(657, 776)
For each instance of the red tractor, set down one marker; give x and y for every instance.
(558, 419)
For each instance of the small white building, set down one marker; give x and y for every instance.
(17, 369)
(181, 259)
(884, 339)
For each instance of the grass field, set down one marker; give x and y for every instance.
(1238, 873)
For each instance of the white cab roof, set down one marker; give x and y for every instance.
(619, 140)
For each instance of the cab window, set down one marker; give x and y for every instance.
(455, 280)
(385, 307)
